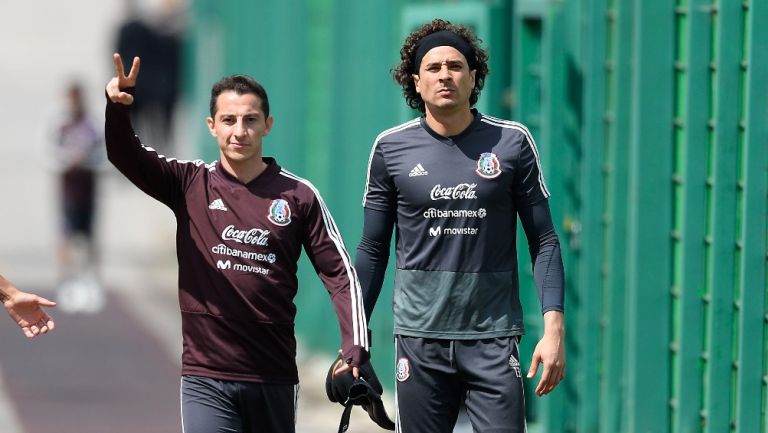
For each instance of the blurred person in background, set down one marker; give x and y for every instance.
(242, 222)
(454, 182)
(155, 35)
(26, 309)
(78, 148)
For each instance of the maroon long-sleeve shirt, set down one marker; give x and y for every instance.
(237, 247)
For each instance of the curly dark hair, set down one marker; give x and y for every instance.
(403, 72)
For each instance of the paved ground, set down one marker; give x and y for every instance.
(99, 373)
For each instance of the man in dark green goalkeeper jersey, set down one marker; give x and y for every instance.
(453, 183)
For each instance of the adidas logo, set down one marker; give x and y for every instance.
(217, 204)
(515, 365)
(513, 362)
(418, 171)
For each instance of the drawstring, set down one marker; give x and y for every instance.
(344, 424)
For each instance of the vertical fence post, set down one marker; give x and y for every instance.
(749, 383)
(592, 198)
(690, 229)
(617, 124)
(722, 234)
(648, 297)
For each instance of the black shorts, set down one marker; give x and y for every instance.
(78, 220)
(434, 377)
(212, 406)
(78, 201)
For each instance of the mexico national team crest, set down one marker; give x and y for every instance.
(403, 370)
(488, 165)
(279, 212)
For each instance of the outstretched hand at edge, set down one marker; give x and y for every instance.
(26, 309)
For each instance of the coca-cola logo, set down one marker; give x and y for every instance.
(253, 236)
(462, 191)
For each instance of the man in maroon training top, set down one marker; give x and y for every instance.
(241, 225)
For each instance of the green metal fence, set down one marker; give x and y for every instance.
(652, 121)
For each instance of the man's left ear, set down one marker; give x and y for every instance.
(210, 123)
(270, 121)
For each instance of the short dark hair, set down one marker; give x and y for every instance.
(242, 85)
(402, 73)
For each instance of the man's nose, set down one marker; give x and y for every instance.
(240, 128)
(444, 73)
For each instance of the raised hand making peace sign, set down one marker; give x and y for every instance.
(120, 82)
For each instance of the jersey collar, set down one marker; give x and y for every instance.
(272, 170)
(454, 139)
